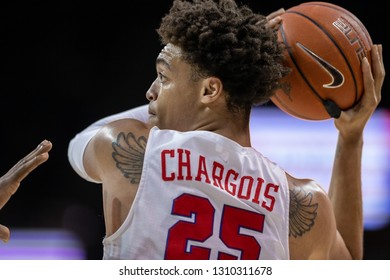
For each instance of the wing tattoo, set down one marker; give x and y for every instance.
(129, 155)
(302, 212)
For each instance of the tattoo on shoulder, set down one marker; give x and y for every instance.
(303, 212)
(128, 155)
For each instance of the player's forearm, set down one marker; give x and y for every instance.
(345, 193)
(4, 196)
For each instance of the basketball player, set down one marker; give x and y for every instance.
(9, 183)
(180, 179)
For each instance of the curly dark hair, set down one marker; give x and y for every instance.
(220, 38)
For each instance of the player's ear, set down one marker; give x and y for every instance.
(212, 89)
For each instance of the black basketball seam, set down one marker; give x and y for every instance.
(301, 74)
(288, 47)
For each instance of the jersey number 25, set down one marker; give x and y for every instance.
(231, 221)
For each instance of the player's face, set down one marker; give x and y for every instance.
(174, 96)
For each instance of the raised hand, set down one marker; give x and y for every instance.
(10, 182)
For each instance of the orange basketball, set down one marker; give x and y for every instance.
(325, 45)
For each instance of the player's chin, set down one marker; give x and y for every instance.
(153, 120)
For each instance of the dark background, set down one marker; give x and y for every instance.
(68, 63)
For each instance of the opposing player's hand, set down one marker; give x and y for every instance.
(10, 182)
(351, 123)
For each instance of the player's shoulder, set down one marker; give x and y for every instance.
(118, 131)
(308, 185)
(123, 126)
(312, 227)
(310, 194)
(120, 135)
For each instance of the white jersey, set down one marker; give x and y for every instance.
(203, 196)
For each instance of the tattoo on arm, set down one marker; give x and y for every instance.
(129, 155)
(302, 212)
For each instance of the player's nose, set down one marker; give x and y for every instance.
(152, 92)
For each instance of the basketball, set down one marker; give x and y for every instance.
(325, 45)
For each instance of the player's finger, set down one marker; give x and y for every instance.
(4, 233)
(20, 170)
(275, 14)
(378, 69)
(43, 147)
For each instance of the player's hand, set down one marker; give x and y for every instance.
(351, 122)
(274, 20)
(9, 183)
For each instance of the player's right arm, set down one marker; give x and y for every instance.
(114, 157)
